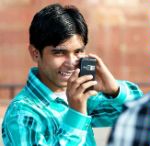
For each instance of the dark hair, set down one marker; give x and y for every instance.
(54, 24)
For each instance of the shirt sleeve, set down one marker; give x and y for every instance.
(22, 131)
(26, 129)
(104, 110)
(73, 129)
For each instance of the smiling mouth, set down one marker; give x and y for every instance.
(66, 73)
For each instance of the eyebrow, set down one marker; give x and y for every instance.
(65, 49)
(82, 48)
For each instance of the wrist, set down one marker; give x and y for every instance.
(113, 94)
(82, 108)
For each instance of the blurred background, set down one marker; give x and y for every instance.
(118, 32)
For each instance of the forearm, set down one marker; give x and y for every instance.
(73, 129)
(106, 109)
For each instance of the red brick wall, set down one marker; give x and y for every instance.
(118, 33)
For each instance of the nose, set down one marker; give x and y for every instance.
(72, 60)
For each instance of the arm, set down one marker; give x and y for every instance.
(105, 109)
(22, 130)
(107, 104)
(73, 129)
(28, 130)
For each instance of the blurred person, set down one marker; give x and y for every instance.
(133, 125)
(55, 108)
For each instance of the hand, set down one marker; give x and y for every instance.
(76, 86)
(105, 80)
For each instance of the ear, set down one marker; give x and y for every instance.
(34, 53)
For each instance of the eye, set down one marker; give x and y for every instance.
(58, 52)
(79, 51)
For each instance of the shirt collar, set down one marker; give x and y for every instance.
(38, 89)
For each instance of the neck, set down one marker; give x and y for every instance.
(52, 86)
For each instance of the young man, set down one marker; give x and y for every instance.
(133, 126)
(54, 108)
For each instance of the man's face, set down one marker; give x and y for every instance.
(58, 63)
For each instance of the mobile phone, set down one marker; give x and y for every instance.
(88, 67)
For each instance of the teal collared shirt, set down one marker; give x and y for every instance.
(37, 117)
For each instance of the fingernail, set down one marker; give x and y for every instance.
(77, 70)
(95, 82)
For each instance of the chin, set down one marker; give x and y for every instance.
(62, 84)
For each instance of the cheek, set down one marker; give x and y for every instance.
(81, 55)
(56, 63)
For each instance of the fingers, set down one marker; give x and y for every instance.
(108, 82)
(74, 81)
(83, 87)
(90, 93)
(100, 62)
(78, 85)
(74, 75)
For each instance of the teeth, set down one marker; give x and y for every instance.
(65, 73)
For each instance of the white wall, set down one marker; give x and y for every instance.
(101, 135)
(1, 143)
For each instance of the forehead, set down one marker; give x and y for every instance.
(74, 42)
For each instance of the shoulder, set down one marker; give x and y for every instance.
(135, 109)
(139, 103)
(22, 107)
(22, 114)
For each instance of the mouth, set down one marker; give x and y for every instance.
(66, 74)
